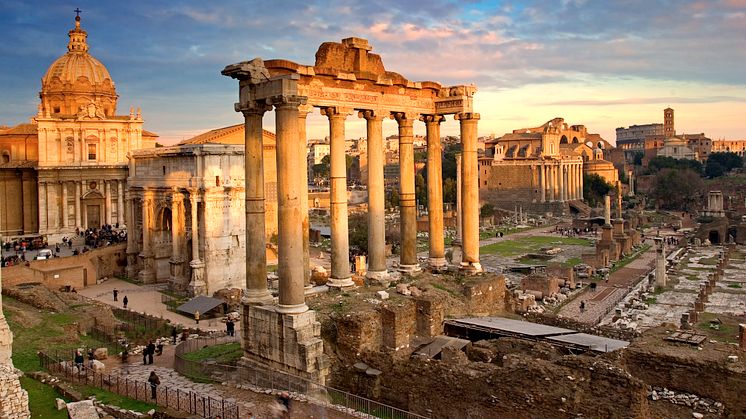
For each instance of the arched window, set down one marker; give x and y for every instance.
(6, 157)
(563, 140)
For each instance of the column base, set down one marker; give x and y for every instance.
(410, 269)
(438, 264)
(381, 277)
(197, 285)
(292, 308)
(470, 268)
(340, 283)
(257, 297)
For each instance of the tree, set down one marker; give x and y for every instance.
(719, 164)
(322, 170)
(677, 189)
(420, 189)
(663, 162)
(486, 211)
(449, 190)
(595, 188)
(637, 158)
(358, 231)
(392, 198)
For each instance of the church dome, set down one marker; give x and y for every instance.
(77, 79)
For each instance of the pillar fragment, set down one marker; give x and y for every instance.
(256, 252)
(340, 275)
(376, 198)
(290, 220)
(302, 114)
(197, 284)
(120, 203)
(470, 192)
(435, 192)
(407, 205)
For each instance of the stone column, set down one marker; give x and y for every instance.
(290, 220)
(376, 198)
(107, 204)
(197, 284)
(580, 181)
(407, 205)
(256, 236)
(562, 182)
(607, 210)
(435, 192)
(84, 211)
(470, 192)
(120, 204)
(459, 217)
(176, 227)
(340, 275)
(132, 250)
(660, 262)
(77, 206)
(302, 114)
(542, 183)
(631, 177)
(42, 207)
(147, 274)
(65, 213)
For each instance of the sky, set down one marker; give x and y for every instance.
(603, 64)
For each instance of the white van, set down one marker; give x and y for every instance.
(44, 254)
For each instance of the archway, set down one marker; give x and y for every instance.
(714, 237)
(575, 140)
(563, 140)
(93, 209)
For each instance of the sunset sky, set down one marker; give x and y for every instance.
(604, 64)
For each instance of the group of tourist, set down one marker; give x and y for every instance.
(104, 236)
(576, 231)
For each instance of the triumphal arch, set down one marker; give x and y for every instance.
(346, 80)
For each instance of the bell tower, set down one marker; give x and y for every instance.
(668, 128)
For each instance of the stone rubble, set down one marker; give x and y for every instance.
(701, 404)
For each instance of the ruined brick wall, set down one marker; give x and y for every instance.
(485, 296)
(13, 398)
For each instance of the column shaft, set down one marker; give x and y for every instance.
(376, 198)
(145, 225)
(435, 192)
(195, 225)
(290, 221)
(107, 204)
(543, 183)
(459, 209)
(561, 178)
(42, 207)
(340, 275)
(256, 236)
(120, 203)
(302, 113)
(470, 191)
(77, 205)
(65, 214)
(407, 208)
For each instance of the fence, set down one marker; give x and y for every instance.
(141, 325)
(173, 398)
(266, 378)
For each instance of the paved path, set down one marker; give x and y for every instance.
(146, 299)
(598, 303)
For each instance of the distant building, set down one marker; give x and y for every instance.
(633, 137)
(729, 146)
(677, 148)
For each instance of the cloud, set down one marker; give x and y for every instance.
(647, 101)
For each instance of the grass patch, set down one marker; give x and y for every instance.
(572, 262)
(651, 300)
(41, 399)
(735, 286)
(226, 353)
(108, 397)
(446, 289)
(727, 332)
(530, 244)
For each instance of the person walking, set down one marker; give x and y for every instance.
(145, 354)
(174, 333)
(116, 293)
(151, 352)
(79, 361)
(154, 382)
(196, 316)
(91, 357)
(125, 300)
(230, 327)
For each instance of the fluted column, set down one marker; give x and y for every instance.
(42, 207)
(552, 182)
(580, 183)
(65, 213)
(147, 274)
(120, 203)
(376, 197)
(470, 192)
(197, 284)
(302, 114)
(77, 206)
(435, 192)
(256, 236)
(132, 250)
(407, 209)
(561, 178)
(340, 276)
(84, 211)
(107, 203)
(290, 220)
(543, 183)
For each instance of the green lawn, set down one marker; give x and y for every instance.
(629, 258)
(110, 398)
(226, 353)
(530, 244)
(41, 399)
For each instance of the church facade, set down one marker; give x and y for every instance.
(67, 169)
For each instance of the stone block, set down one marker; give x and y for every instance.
(101, 353)
(397, 325)
(82, 410)
(430, 315)
(60, 404)
(383, 295)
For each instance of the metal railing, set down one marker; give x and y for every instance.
(173, 398)
(266, 378)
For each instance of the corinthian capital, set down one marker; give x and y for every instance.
(253, 107)
(287, 101)
(428, 119)
(466, 116)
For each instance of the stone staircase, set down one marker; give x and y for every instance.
(581, 207)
